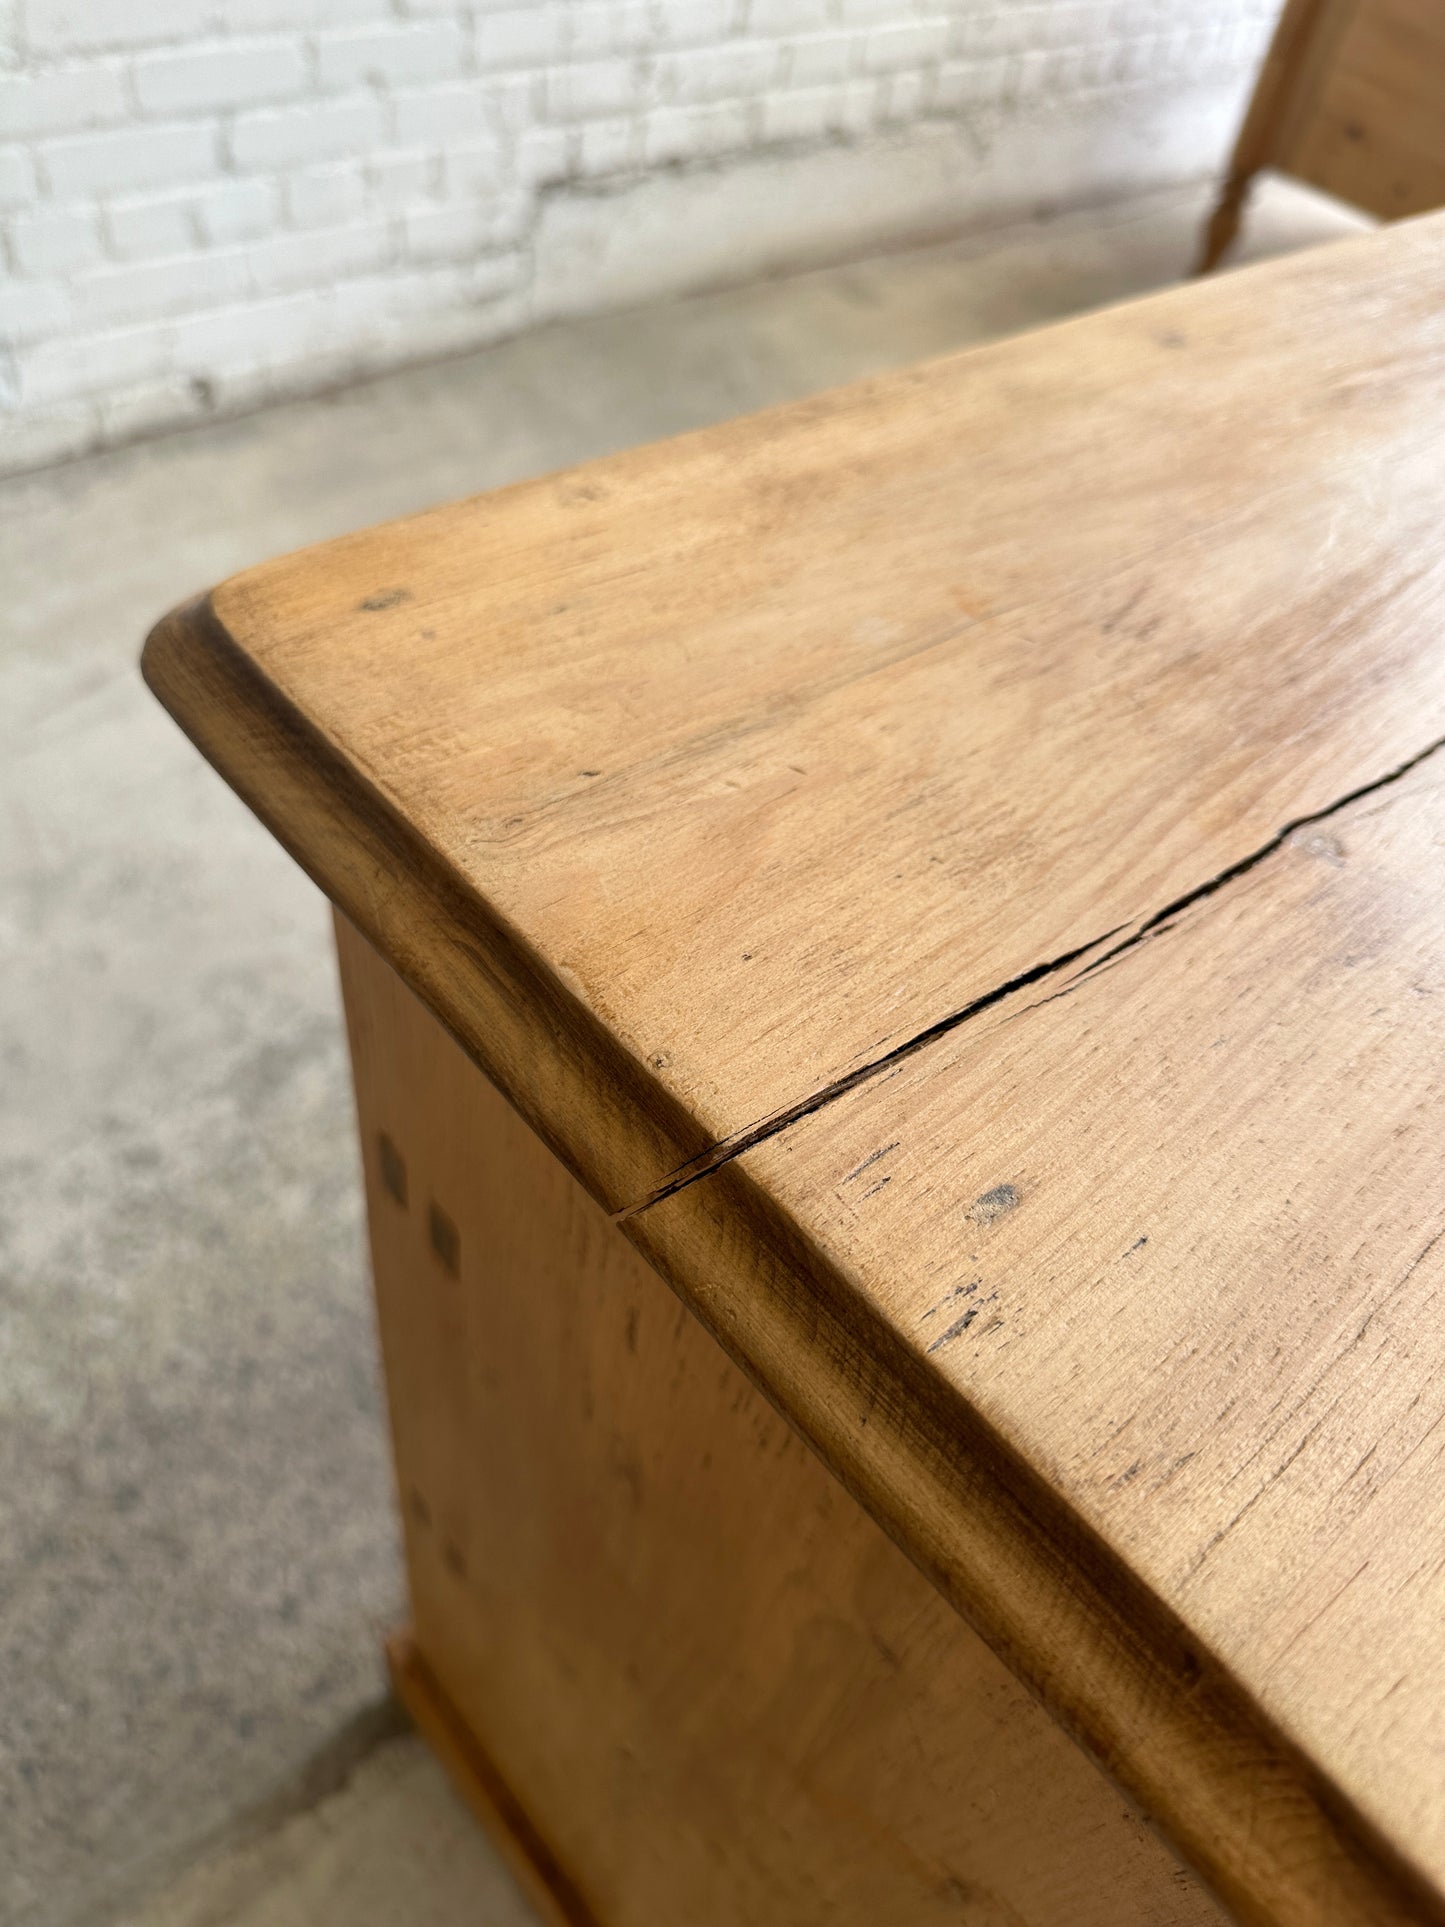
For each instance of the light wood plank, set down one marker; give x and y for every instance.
(687, 784)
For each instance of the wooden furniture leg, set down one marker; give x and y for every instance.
(1275, 95)
(1224, 222)
(669, 1660)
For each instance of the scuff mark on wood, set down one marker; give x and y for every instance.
(993, 1204)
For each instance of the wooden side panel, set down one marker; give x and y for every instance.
(1372, 130)
(716, 1688)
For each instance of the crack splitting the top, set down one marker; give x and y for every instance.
(726, 1149)
(706, 1162)
(1152, 924)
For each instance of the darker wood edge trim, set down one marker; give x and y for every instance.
(595, 1106)
(532, 1862)
(1232, 1795)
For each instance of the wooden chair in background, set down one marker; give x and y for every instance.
(1351, 99)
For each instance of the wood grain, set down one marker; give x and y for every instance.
(734, 763)
(706, 1686)
(1169, 1241)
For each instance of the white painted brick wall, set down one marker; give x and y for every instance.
(208, 203)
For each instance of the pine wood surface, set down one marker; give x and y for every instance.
(755, 754)
(763, 812)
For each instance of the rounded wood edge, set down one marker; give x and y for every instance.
(600, 1110)
(1229, 1793)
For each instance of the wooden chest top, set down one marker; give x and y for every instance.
(955, 866)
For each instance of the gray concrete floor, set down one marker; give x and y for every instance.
(392, 1847)
(197, 1557)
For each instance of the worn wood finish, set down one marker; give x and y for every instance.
(754, 811)
(1351, 99)
(1167, 1234)
(691, 782)
(705, 1685)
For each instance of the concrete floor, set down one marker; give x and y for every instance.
(392, 1847)
(197, 1555)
